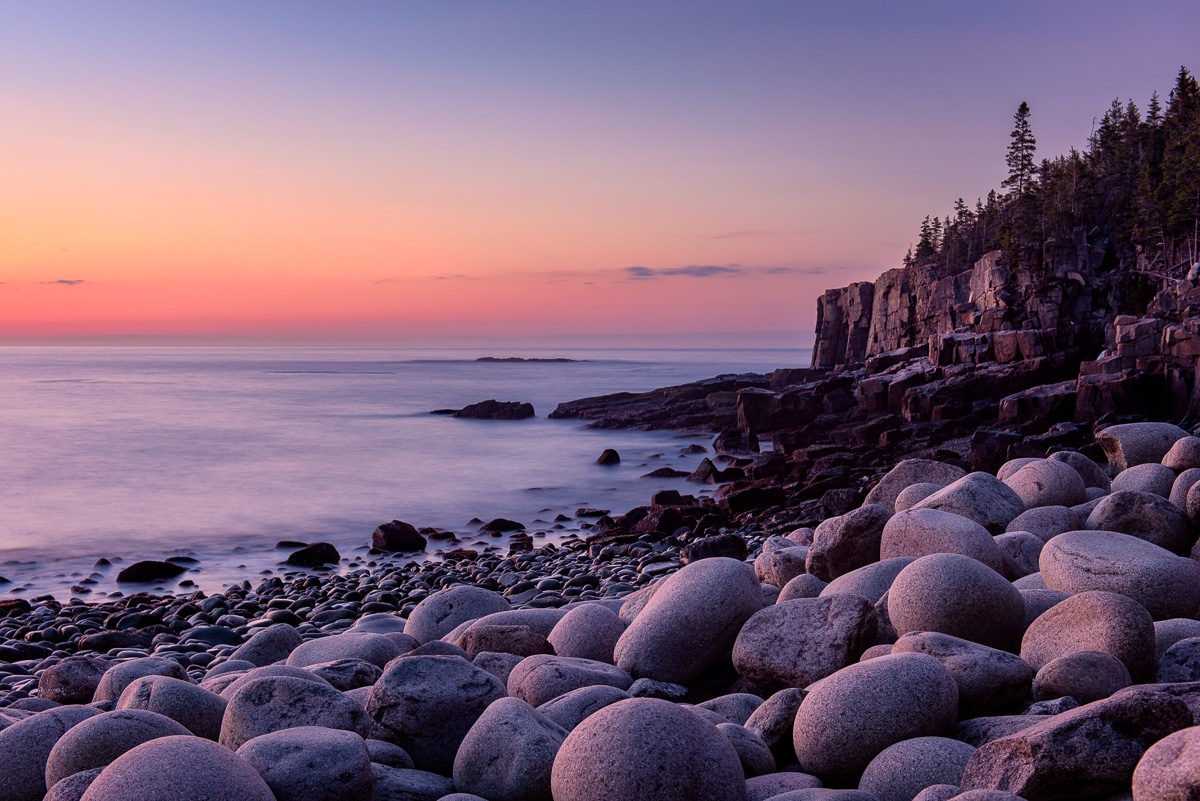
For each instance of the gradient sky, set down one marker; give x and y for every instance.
(458, 171)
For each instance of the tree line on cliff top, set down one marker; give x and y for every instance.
(1136, 185)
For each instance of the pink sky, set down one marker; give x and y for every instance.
(433, 173)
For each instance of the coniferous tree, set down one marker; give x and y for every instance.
(1021, 150)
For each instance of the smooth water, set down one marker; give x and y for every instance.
(142, 452)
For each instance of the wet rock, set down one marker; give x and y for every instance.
(496, 410)
(149, 570)
(196, 709)
(508, 754)
(645, 747)
(795, 643)
(901, 771)
(851, 716)
(1093, 621)
(847, 542)
(427, 704)
(921, 532)
(1088, 751)
(200, 769)
(1130, 444)
(957, 595)
(397, 536)
(1166, 585)
(312, 763)
(609, 457)
(316, 555)
(264, 705)
(1144, 515)
(690, 622)
(1084, 675)
(990, 681)
(539, 679)
(728, 545)
(443, 611)
(980, 497)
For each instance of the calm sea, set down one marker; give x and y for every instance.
(139, 453)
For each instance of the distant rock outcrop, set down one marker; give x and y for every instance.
(496, 410)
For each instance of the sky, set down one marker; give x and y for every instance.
(484, 172)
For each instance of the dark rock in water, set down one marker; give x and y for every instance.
(501, 525)
(104, 641)
(73, 680)
(735, 442)
(102, 562)
(589, 512)
(290, 544)
(444, 411)
(667, 472)
(609, 457)
(183, 560)
(3, 580)
(496, 410)
(14, 606)
(149, 571)
(315, 555)
(397, 536)
(694, 448)
(730, 545)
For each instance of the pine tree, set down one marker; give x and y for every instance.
(1021, 169)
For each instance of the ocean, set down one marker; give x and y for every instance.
(218, 453)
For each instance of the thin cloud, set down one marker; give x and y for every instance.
(691, 270)
(740, 234)
(65, 281)
(450, 277)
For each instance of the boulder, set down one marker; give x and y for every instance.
(378, 649)
(269, 645)
(569, 710)
(397, 536)
(1180, 663)
(734, 707)
(441, 612)
(795, 643)
(541, 678)
(499, 665)
(1167, 585)
(871, 582)
(406, 784)
(74, 786)
(1045, 482)
(1093, 475)
(779, 567)
(264, 705)
(312, 763)
(316, 555)
(909, 472)
(761, 788)
(1183, 455)
(496, 410)
(803, 586)
(427, 704)
(647, 748)
(149, 570)
(753, 753)
(774, 718)
(97, 741)
(196, 709)
(1149, 477)
(922, 532)
(1169, 632)
(1170, 768)
(347, 674)
(1093, 621)
(1145, 515)
(846, 542)
(1083, 675)
(980, 497)
(508, 754)
(1130, 444)
(850, 717)
(957, 595)
(26, 745)
(238, 680)
(990, 681)
(914, 494)
(1183, 483)
(1020, 551)
(729, 545)
(1038, 601)
(121, 675)
(1046, 522)
(1090, 751)
(497, 638)
(73, 680)
(899, 772)
(690, 622)
(199, 770)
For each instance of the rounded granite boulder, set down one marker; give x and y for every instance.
(691, 621)
(97, 741)
(981, 497)
(914, 494)
(1129, 444)
(902, 770)
(197, 709)
(508, 754)
(908, 472)
(1145, 515)
(378, 649)
(847, 719)
(871, 582)
(957, 595)
(121, 675)
(443, 611)
(179, 768)
(1170, 769)
(540, 678)
(1045, 482)
(589, 631)
(427, 704)
(1093, 621)
(1149, 477)
(1168, 586)
(921, 532)
(1093, 475)
(1045, 522)
(269, 704)
(1085, 676)
(647, 748)
(312, 763)
(26, 745)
